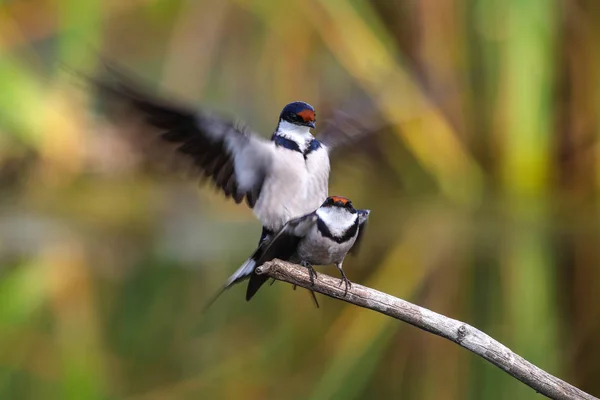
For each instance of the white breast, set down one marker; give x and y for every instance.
(294, 186)
(317, 163)
(288, 191)
(320, 250)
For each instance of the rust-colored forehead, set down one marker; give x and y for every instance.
(342, 200)
(307, 115)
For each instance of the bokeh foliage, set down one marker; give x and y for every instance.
(484, 190)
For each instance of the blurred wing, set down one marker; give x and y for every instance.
(351, 125)
(235, 160)
(363, 216)
(283, 245)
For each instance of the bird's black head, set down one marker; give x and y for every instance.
(299, 113)
(340, 202)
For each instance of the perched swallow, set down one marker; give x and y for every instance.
(280, 179)
(322, 237)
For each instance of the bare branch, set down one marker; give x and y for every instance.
(460, 333)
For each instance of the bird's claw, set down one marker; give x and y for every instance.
(346, 282)
(311, 271)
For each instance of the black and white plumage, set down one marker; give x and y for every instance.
(280, 179)
(322, 237)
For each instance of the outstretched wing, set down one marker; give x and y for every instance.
(283, 245)
(352, 124)
(234, 159)
(363, 216)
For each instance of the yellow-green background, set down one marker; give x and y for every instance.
(483, 190)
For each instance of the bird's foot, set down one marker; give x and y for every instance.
(345, 281)
(311, 271)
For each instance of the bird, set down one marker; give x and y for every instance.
(281, 179)
(322, 237)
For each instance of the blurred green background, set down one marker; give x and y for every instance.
(484, 190)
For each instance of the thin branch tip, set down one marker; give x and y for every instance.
(264, 269)
(456, 331)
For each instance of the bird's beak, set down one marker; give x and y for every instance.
(311, 124)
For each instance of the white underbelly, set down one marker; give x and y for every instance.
(319, 250)
(295, 187)
(318, 167)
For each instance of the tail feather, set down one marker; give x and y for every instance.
(256, 281)
(241, 274)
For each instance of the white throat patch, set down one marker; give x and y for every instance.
(298, 133)
(338, 220)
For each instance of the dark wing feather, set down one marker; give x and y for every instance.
(282, 246)
(285, 247)
(354, 123)
(216, 147)
(363, 216)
